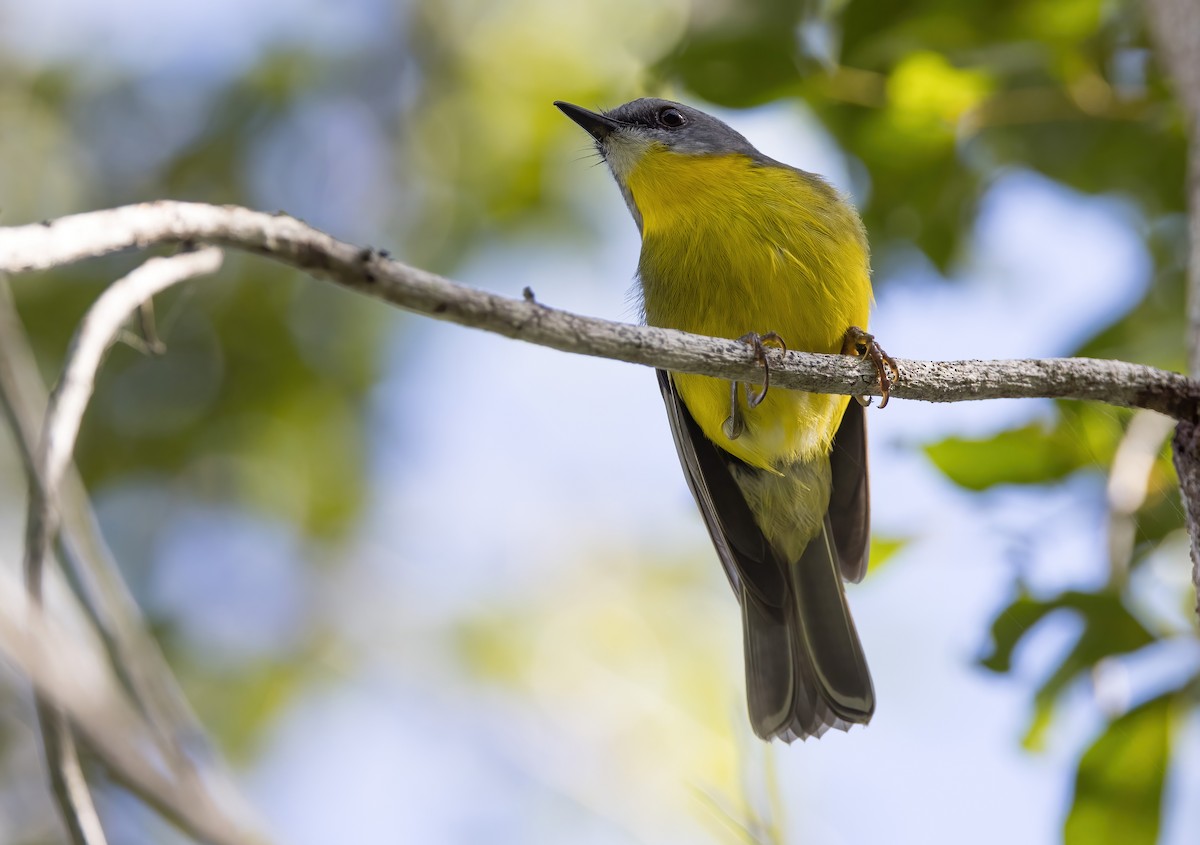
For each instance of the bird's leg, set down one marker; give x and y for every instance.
(862, 344)
(735, 424)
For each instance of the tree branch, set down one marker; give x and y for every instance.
(285, 239)
(1185, 447)
(70, 397)
(67, 782)
(106, 597)
(289, 241)
(77, 681)
(194, 784)
(1175, 25)
(59, 430)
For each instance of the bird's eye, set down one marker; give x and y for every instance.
(671, 118)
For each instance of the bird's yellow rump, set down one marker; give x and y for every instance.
(735, 244)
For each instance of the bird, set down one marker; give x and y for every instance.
(738, 245)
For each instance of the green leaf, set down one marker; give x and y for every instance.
(1119, 785)
(1032, 454)
(747, 58)
(1109, 629)
(1010, 626)
(1084, 436)
(238, 704)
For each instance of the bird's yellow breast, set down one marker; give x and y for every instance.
(731, 245)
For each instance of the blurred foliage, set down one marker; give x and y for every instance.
(240, 706)
(1108, 629)
(260, 399)
(1082, 436)
(1120, 783)
(936, 99)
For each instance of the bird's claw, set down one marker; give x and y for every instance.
(735, 424)
(862, 344)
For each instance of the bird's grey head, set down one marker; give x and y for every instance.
(624, 134)
(627, 131)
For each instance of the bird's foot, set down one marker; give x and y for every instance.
(735, 424)
(862, 344)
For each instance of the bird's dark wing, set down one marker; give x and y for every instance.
(850, 499)
(805, 670)
(744, 551)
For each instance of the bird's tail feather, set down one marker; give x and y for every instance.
(805, 668)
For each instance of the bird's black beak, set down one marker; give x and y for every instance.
(596, 125)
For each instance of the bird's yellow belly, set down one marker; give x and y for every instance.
(789, 426)
(745, 285)
(731, 246)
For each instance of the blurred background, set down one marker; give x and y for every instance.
(427, 584)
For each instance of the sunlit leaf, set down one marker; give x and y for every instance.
(1084, 435)
(1031, 454)
(883, 549)
(1119, 786)
(930, 95)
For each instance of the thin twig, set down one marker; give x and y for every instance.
(135, 654)
(1185, 449)
(76, 680)
(67, 780)
(68, 401)
(65, 410)
(285, 239)
(67, 784)
(1129, 484)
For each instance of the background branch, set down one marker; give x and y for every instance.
(64, 414)
(69, 400)
(199, 796)
(105, 596)
(67, 781)
(78, 682)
